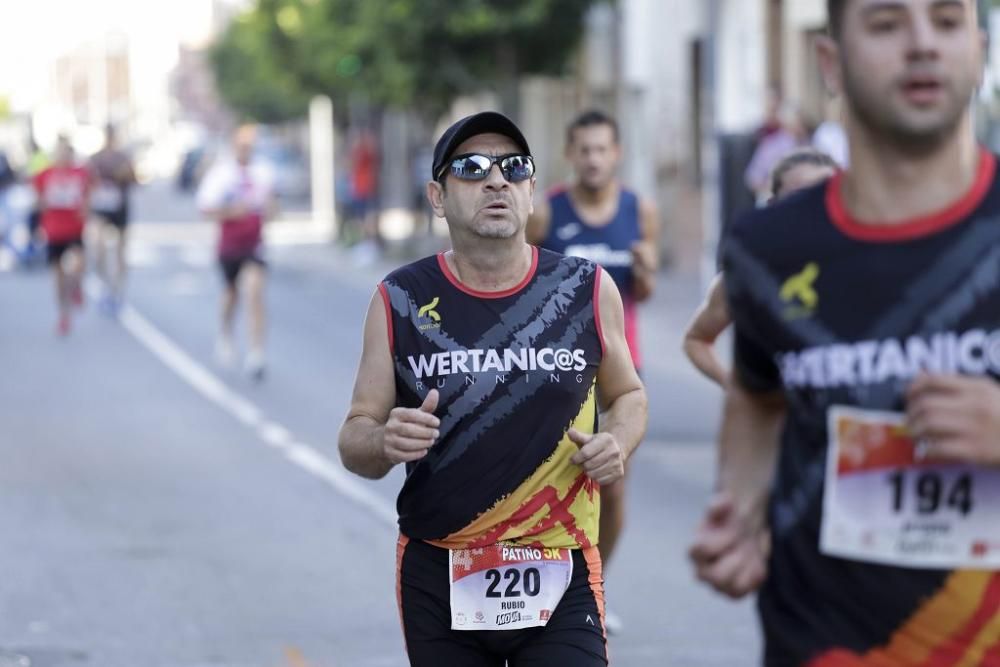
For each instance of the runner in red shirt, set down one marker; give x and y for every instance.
(63, 191)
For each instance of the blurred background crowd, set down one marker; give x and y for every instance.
(708, 94)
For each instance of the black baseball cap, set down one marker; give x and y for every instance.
(479, 123)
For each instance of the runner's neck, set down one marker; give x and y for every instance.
(596, 207)
(887, 186)
(494, 267)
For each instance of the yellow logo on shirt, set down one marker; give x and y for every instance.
(429, 312)
(799, 292)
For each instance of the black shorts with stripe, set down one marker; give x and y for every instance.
(574, 636)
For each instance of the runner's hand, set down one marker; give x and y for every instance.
(600, 456)
(956, 417)
(728, 554)
(643, 257)
(643, 269)
(237, 209)
(410, 432)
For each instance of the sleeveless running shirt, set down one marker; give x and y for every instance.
(515, 370)
(609, 245)
(841, 316)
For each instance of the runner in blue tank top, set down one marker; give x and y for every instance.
(598, 219)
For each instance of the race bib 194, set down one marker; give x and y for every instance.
(883, 504)
(504, 587)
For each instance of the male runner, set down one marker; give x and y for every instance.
(867, 323)
(482, 370)
(796, 171)
(62, 191)
(239, 194)
(113, 176)
(599, 219)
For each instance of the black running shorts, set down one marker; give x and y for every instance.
(117, 218)
(56, 251)
(573, 637)
(232, 266)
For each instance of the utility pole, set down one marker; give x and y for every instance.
(321, 167)
(710, 203)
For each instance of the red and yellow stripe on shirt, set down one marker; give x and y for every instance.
(959, 626)
(558, 506)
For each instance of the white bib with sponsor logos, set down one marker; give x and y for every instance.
(106, 197)
(883, 504)
(505, 587)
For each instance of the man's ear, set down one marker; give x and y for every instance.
(828, 54)
(984, 49)
(435, 196)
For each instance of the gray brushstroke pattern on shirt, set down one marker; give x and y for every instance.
(942, 283)
(520, 326)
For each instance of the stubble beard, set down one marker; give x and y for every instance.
(494, 229)
(595, 185)
(880, 119)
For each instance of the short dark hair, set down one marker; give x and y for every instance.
(590, 118)
(835, 16)
(796, 158)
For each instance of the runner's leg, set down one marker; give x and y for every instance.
(575, 635)
(425, 611)
(101, 252)
(74, 263)
(62, 291)
(225, 351)
(254, 282)
(254, 277)
(121, 269)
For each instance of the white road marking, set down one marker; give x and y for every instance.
(7, 259)
(308, 458)
(270, 432)
(186, 284)
(275, 435)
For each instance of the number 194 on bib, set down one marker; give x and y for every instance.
(880, 504)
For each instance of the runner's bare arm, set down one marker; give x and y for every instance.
(730, 548)
(620, 393)
(88, 189)
(538, 223)
(39, 190)
(646, 253)
(376, 435)
(212, 199)
(748, 446)
(222, 213)
(710, 320)
(128, 176)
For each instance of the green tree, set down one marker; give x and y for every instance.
(248, 77)
(416, 54)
